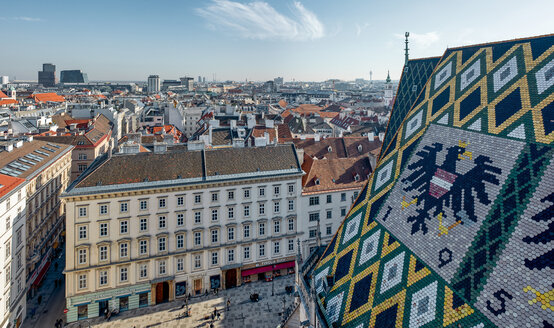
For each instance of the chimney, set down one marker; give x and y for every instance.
(269, 123)
(160, 147)
(371, 136)
(381, 136)
(317, 137)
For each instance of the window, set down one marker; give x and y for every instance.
(161, 202)
(214, 197)
(103, 253)
(82, 256)
(246, 210)
(197, 198)
(246, 193)
(291, 204)
(143, 247)
(329, 214)
(291, 245)
(197, 217)
(343, 211)
(276, 190)
(343, 197)
(103, 209)
(329, 199)
(161, 222)
(82, 167)
(143, 271)
(8, 274)
(214, 214)
(82, 212)
(314, 216)
(356, 193)
(18, 237)
(231, 212)
(103, 278)
(314, 200)
(246, 252)
(262, 229)
(143, 224)
(180, 241)
(82, 312)
(180, 200)
(291, 188)
(143, 205)
(329, 230)
(261, 249)
(180, 264)
(215, 236)
(180, 219)
(231, 195)
(82, 232)
(123, 276)
(123, 250)
(123, 207)
(276, 247)
(161, 268)
(313, 233)
(231, 255)
(261, 191)
(8, 223)
(197, 238)
(215, 257)
(231, 233)
(82, 281)
(123, 226)
(197, 261)
(8, 249)
(162, 244)
(82, 156)
(247, 231)
(277, 226)
(276, 207)
(143, 300)
(291, 224)
(261, 208)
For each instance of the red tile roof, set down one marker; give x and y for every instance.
(45, 97)
(7, 101)
(3, 95)
(8, 183)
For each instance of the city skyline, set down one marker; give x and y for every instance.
(237, 40)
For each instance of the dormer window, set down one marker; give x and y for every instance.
(317, 181)
(357, 177)
(329, 149)
(360, 148)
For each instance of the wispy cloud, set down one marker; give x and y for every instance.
(22, 18)
(259, 20)
(360, 28)
(422, 40)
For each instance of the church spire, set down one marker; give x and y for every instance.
(407, 34)
(388, 77)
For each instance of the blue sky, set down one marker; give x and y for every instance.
(309, 40)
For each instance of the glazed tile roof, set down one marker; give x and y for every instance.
(454, 228)
(142, 167)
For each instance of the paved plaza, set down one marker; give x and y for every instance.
(243, 313)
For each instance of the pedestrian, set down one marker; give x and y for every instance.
(218, 315)
(228, 304)
(211, 325)
(206, 293)
(213, 316)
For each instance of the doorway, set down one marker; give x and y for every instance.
(198, 286)
(162, 292)
(231, 278)
(102, 306)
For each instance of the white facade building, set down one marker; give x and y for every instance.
(148, 228)
(13, 298)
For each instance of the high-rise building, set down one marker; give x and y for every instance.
(199, 79)
(4, 80)
(47, 77)
(154, 84)
(73, 76)
(188, 82)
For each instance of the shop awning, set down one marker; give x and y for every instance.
(285, 265)
(41, 274)
(267, 268)
(257, 270)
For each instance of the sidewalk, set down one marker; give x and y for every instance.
(48, 310)
(243, 313)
